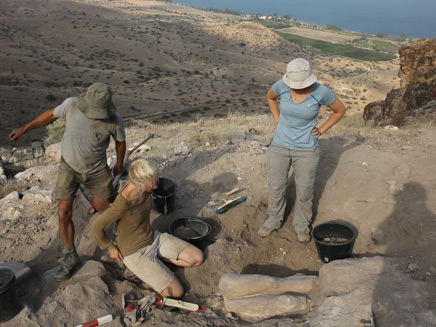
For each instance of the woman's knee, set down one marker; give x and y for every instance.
(196, 256)
(174, 290)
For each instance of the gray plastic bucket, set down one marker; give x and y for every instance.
(8, 298)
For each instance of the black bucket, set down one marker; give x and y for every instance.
(164, 197)
(192, 230)
(334, 240)
(8, 298)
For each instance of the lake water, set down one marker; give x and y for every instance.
(413, 18)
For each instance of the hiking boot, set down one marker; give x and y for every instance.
(70, 262)
(303, 236)
(264, 231)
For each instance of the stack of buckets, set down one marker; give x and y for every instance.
(164, 196)
(8, 297)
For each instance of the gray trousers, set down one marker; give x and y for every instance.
(305, 163)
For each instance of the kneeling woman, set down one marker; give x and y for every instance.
(142, 249)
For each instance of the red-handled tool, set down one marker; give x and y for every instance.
(97, 322)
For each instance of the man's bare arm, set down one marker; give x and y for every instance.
(47, 117)
(120, 148)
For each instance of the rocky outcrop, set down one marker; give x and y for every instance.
(352, 294)
(417, 95)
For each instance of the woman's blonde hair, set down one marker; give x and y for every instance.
(142, 174)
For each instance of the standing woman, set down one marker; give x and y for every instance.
(142, 249)
(296, 143)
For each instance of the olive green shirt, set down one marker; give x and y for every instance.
(133, 224)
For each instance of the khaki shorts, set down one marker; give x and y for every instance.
(146, 265)
(68, 182)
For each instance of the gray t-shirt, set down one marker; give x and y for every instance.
(85, 140)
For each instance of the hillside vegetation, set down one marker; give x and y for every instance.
(339, 49)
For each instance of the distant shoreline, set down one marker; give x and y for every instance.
(397, 23)
(298, 23)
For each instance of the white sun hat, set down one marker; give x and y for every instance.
(299, 74)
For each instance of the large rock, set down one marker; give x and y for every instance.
(53, 152)
(11, 197)
(22, 154)
(352, 290)
(42, 193)
(39, 173)
(260, 307)
(257, 297)
(234, 285)
(416, 97)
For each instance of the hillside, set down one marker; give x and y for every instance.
(159, 57)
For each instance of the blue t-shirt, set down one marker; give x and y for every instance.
(294, 130)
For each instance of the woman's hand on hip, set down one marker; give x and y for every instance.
(316, 132)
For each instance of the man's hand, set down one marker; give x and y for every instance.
(47, 117)
(118, 169)
(16, 134)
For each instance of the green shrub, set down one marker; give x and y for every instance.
(51, 97)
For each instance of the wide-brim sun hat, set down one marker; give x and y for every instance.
(299, 74)
(97, 102)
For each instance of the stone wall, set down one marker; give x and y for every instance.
(15, 160)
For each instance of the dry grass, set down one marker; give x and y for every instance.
(352, 125)
(55, 131)
(355, 126)
(12, 185)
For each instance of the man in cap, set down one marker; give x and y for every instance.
(90, 121)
